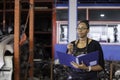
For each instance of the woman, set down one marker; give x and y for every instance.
(85, 45)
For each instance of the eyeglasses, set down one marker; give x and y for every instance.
(81, 28)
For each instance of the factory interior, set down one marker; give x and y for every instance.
(32, 32)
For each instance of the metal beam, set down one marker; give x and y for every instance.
(16, 40)
(4, 15)
(31, 38)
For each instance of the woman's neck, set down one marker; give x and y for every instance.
(83, 39)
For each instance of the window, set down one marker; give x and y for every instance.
(62, 15)
(104, 14)
(81, 14)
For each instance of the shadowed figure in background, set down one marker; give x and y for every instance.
(115, 34)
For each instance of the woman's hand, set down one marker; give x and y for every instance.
(79, 66)
(70, 48)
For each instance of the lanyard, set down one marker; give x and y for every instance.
(75, 47)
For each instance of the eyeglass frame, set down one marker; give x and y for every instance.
(81, 28)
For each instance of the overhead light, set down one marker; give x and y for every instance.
(102, 15)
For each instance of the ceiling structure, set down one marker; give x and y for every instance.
(90, 1)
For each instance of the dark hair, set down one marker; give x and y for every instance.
(86, 22)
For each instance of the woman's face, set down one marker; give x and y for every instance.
(82, 30)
